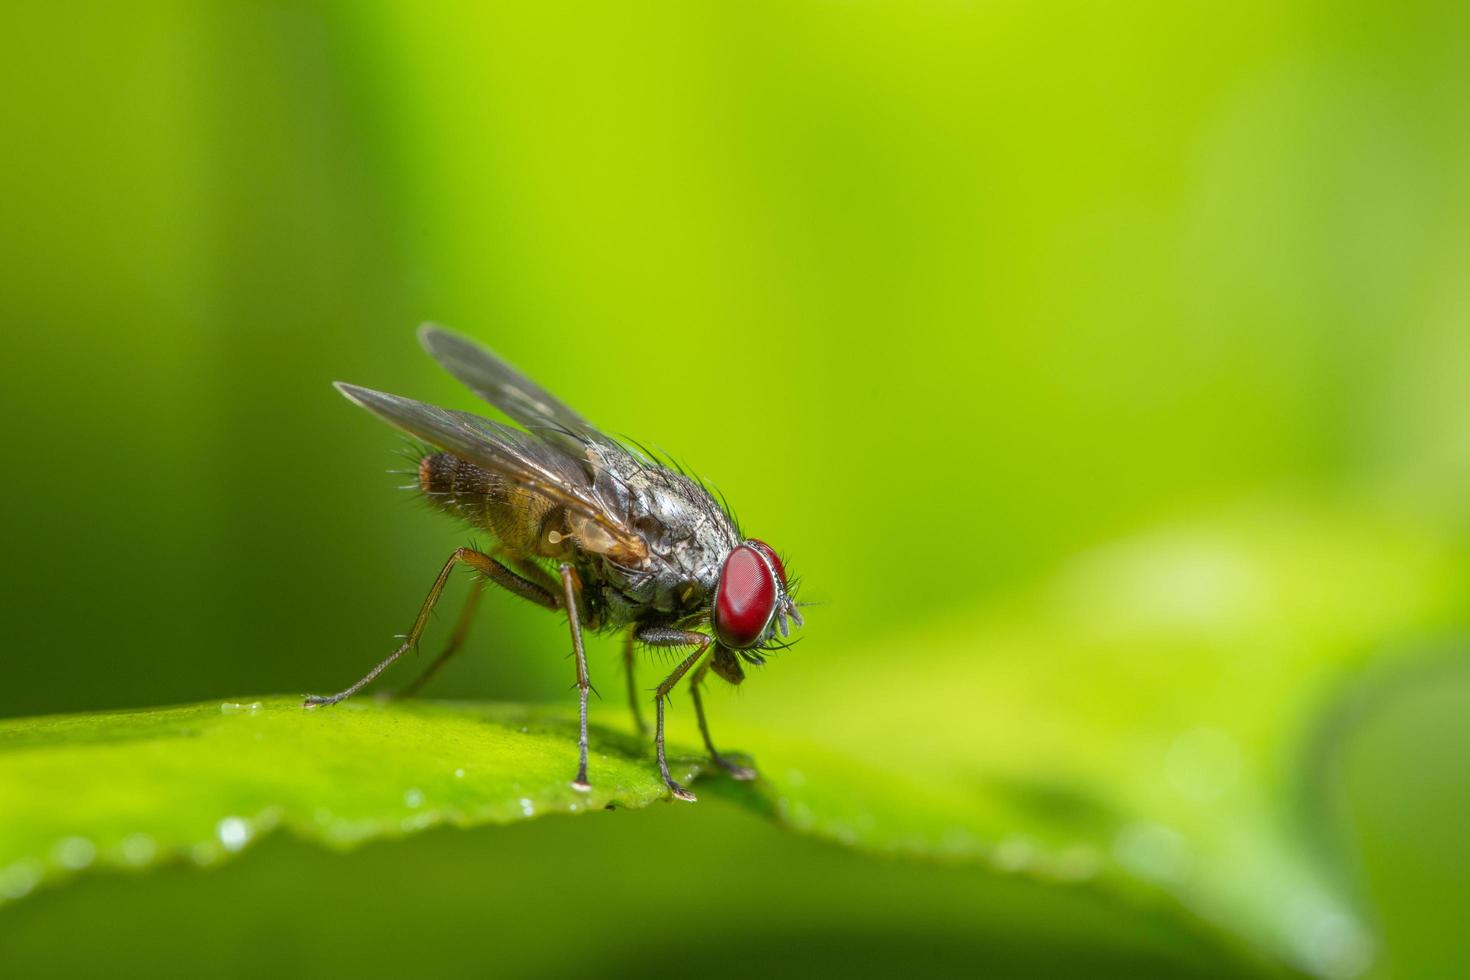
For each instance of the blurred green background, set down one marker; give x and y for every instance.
(940, 294)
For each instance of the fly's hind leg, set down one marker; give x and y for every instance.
(488, 568)
(456, 641)
(523, 567)
(735, 770)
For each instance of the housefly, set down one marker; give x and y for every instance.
(590, 527)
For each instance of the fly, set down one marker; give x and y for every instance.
(591, 528)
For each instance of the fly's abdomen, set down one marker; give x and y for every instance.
(522, 521)
(446, 479)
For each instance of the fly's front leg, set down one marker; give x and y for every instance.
(735, 770)
(633, 684)
(660, 637)
(569, 593)
(480, 562)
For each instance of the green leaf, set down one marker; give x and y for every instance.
(199, 784)
(128, 789)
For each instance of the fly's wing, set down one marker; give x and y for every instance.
(512, 392)
(548, 418)
(521, 458)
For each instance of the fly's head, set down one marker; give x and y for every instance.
(752, 604)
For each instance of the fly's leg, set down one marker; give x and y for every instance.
(456, 640)
(523, 567)
(633, 684)
(480, 562)
(735, 770)
(532, 572)
(570, 587)
(660, 637)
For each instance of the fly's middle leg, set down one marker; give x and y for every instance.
(569, 592)
(634, 702)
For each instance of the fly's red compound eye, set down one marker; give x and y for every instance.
(746, 597)
(770, 554)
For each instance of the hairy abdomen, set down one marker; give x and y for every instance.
(523, 522)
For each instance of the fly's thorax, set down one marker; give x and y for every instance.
(661, 592)
(688, 534)
(685, 527)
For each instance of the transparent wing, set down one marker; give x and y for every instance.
(510, 391)
(520, 457)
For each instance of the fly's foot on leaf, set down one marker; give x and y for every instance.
(680, 793)
(581, 786)
(318, 700)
